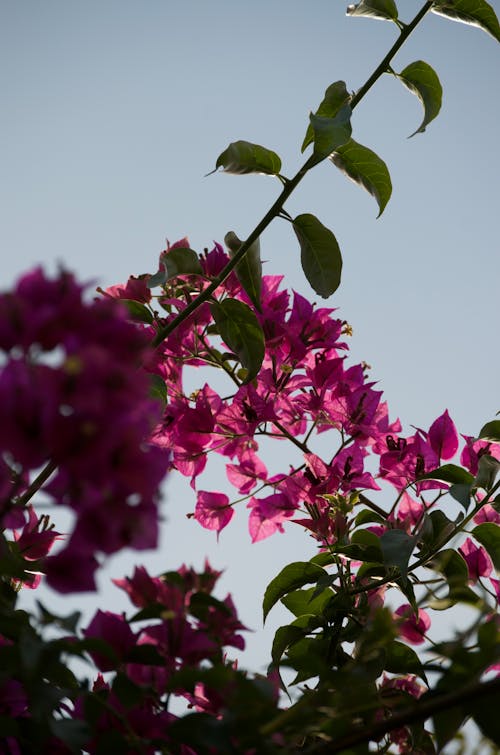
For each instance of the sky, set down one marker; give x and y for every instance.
(113, 114)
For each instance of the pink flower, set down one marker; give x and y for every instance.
(411, 627)
(478, 561)
(268, 514)
(114, 630)
(213, 510)
(443, 437)
(36, 538)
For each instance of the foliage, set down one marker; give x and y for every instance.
(93, 416)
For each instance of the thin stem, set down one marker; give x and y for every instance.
(289, 186)
(384, 64)
(37, 483)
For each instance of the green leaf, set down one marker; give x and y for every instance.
(181, 261)
(385, 10)
(301, 602)
(290, 578)
(423, 81)
(461, 492)
(288, 635)
(249, 269)
(320, 254)
(307, 657)
(367, 516)
(75, 734)
(446, 725)
(158, 388)
(127, 691)
(401, 659)
(488, 534)
(453, 567)
(158, 279)
(241, 332)
(442, 528)
(490, 431)
(244, 157)
(330, 133)
(474, 12)
(368, 538)
(451, 473)
(336, 96)
(488, 469)
(365, 168)
(485, 715)
(397, 547)
(138, 311)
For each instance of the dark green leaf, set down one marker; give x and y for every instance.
(146, 655)
(364, 546)
(438, 528)
(490, 431)
(138, 311)
(449, 473)
(336, 96)
(200, 731)
(452, 565)
(323, 559)
(240, 330)
(365, 537)
(401, 659)
(158, 279)
(447, 724)
(485, 714)
(397, 547)
(330, 133)
(361, 553)
(75, 734)
(180, 261)
(290, 578)
(385, 10)
(307, 657)
(244, 157)
(158, 388)
(488, 534)
(320, 254)
(461, 492)
(423, 81)
(249, 269)
(68, 623)
(366, 516)
(474, 12)
(408, 591)
(287, 636)
(487, 472)
(365, 168)
(128, 693)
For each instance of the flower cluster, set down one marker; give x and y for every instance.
(75, 403)
(180, 631)
(77, 420)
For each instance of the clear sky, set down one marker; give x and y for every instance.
(113, 112)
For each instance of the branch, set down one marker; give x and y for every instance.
(418, 712)
(289, 186)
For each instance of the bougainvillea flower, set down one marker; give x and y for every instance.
(213, 510)
(115, 631)
(443, 437)
(411, 627)
(268, 514)
(478, 561)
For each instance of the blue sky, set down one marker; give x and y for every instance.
(114, 112)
